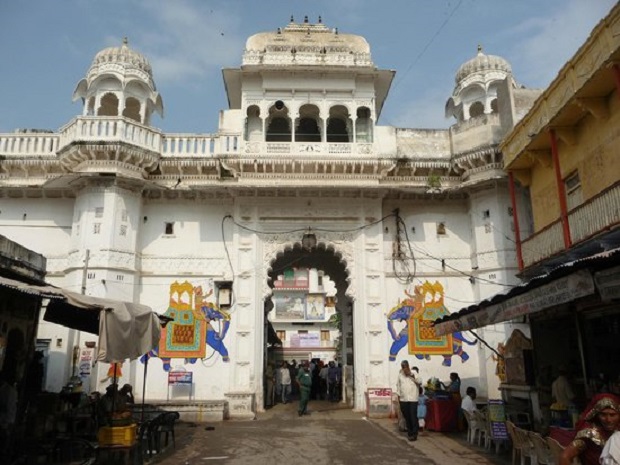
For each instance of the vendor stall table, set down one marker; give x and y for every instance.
(441, 415)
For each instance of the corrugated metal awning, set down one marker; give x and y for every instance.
(44, 291)
(563, 284)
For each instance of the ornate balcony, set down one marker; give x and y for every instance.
(114, 129)
(592, 218)
(597, 215)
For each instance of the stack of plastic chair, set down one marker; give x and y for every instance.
(527, 448)
(544, 456)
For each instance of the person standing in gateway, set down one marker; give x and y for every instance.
(304, 379)
(408, 392)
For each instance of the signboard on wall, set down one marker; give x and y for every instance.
(497, 419)
(557, 292)
(176, 378)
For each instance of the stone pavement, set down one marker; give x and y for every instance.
(330, 435)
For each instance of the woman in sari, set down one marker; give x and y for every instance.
(597, 423)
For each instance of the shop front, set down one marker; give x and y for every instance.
(574, 320)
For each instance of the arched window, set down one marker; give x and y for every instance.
(476, 109)
(338, 124)
(132, 109)
(254, 125)
(90, 107)
(494, 107)
(308, 126)
(278, 124)
(108, 105)
(363, 125)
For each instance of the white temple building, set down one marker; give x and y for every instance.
(408, 223)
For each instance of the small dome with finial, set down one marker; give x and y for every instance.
(482, 63)
(122, 59)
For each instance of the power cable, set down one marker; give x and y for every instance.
(429, 43)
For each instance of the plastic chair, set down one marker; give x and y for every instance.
(153, 436)
(555, 448)
(527, 448)
(166, 427)
(516, 440)
(143, 440)
(483, 427)
(473, 428)
(544, 456)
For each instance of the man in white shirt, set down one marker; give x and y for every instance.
(408, 392)
(285, 382)
(468, 403)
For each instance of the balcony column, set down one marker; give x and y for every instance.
(560, 188)
(515, 218)
(616, 70)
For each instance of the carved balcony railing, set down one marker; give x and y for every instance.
(98, 129)
(542, 244)
(28, 144)
(599, 213)
(588, 219)
(326, 149)
(199, 145)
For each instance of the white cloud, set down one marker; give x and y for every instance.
(187, 40)
(549, 42)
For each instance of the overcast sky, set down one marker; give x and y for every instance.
(47, 46)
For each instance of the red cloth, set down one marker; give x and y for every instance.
(562, 435)
(441, 415)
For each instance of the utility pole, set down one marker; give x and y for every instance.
(76, 347)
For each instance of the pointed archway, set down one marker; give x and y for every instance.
(328, 262)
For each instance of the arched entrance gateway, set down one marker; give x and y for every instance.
(309, 301)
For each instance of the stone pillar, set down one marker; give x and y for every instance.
(240, 406)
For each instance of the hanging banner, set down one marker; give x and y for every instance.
(557, 292)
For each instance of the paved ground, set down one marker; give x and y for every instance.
(328, 435)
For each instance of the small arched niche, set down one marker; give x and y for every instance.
(476, 109)
(278, 123)
(308, 125)
(132, 109)
(363, 125)
(108, 106)
(338, 124)
(253, 124)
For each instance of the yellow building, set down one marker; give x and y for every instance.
(563, 162)
(565, 152)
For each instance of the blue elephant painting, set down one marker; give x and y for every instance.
(418, 312)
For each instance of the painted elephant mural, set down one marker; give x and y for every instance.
(457, 349)
(196, 324)
(418, 312)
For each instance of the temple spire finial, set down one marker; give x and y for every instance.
(125, 41)
(479, 48)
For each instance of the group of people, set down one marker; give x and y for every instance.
(597, 438)
(310, 380)
(115, 404)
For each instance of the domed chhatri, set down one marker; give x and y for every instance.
(130, 61)
(482, 63)
(475, 90)
(307, 44)
(120, 82)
